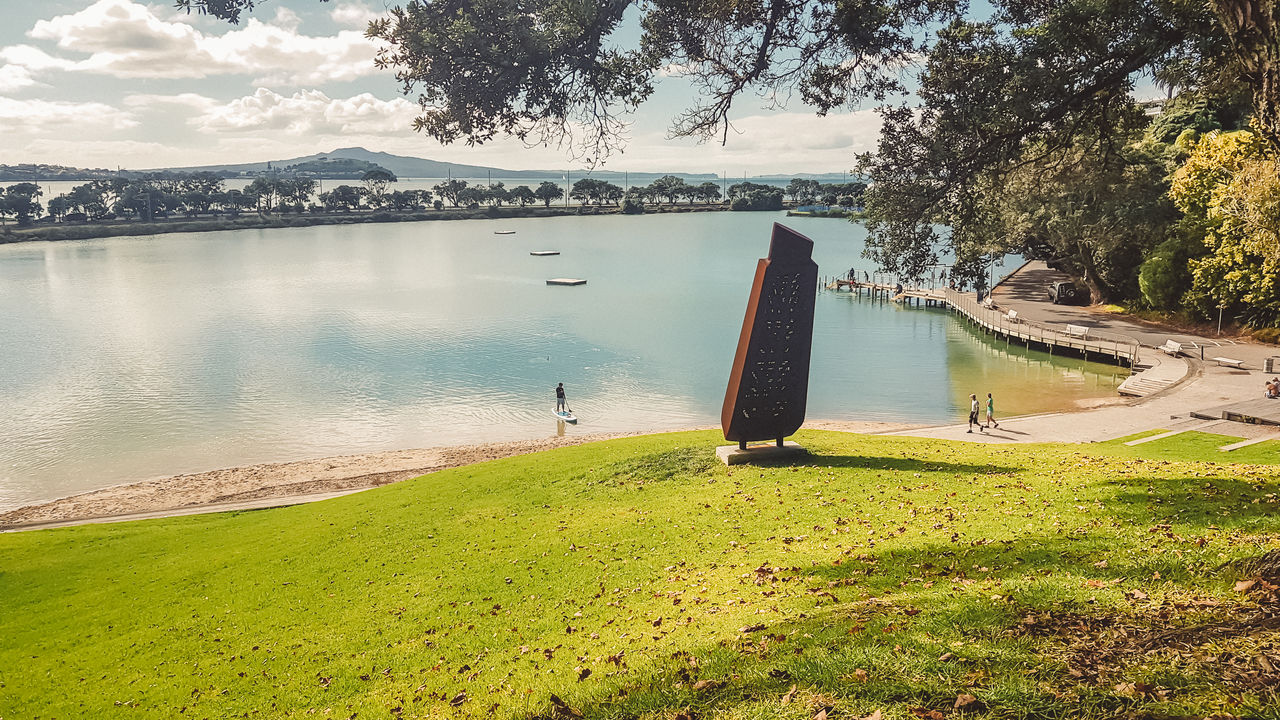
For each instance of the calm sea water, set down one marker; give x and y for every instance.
(129, 358)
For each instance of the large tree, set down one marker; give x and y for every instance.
(548, 191)
(968, 95)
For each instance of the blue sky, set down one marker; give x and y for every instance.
(101, 83)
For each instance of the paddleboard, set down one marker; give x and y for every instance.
(504, 232)
(566, 416)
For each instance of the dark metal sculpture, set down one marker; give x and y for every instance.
(769, 383)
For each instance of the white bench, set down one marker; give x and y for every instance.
(1171, 348)
(1079, 331)
(1230, 362)
(1011, 316)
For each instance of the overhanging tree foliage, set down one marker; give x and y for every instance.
(972, 99)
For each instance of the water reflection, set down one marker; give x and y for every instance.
(130, 358)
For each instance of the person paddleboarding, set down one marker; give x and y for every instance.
(562, 406)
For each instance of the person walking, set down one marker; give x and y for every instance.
(560, 401)
(973, 413)
(991, 412)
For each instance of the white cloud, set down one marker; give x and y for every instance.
(14, 77)
(33, 58)
(43, 117)
(353, 14)
(769, 143)
(125, 39)
(182, 100)
(309, 112)
(98, 153)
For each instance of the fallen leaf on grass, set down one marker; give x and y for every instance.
(1245, 585)
(873, 716)
(561, 709)
(965, 701)
(459, 699)
(927, 714)
(583, 673)
(790, 693)
(707, 684)
(860, 675)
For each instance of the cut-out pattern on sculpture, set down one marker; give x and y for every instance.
(769, 381)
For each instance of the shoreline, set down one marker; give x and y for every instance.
(286, 483)
(57, 232)
(276, 484)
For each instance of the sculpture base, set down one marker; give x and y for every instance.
(771, 452)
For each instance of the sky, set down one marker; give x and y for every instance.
(119, 83)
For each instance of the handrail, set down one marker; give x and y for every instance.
(1121, 348)
(1118, 347)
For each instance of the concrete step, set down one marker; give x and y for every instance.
(1138, 386)
(1247, 443)
(1171, 433)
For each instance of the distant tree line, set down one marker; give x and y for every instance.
(811, 192)
(197, 194)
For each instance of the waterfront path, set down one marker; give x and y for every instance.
(1190, 384)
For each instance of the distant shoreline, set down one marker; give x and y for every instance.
(127, 228)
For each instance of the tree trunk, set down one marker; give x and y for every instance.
(1098, 291)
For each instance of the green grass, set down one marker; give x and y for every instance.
(1191, 447)
(883, 573)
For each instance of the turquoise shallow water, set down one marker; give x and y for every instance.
(129, 358)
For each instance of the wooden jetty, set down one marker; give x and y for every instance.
(928, 297)
(544, 253)
(566, 281)
(1071, 339)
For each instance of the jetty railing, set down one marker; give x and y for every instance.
(1123, 350)
(1119, 349)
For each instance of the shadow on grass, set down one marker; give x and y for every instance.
(1005, 620)
(900, 464)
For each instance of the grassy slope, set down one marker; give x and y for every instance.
(637, 560)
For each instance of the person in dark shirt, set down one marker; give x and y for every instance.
(560, 402)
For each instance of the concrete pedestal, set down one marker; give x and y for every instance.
(734, 455)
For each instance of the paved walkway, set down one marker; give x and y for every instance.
(1202, 384)
(1025, 291)
(232, 506)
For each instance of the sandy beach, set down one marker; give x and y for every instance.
(287, 483)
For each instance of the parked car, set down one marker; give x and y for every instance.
(1063, 292)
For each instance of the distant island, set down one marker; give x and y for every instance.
(334, 168)
(31, 172)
